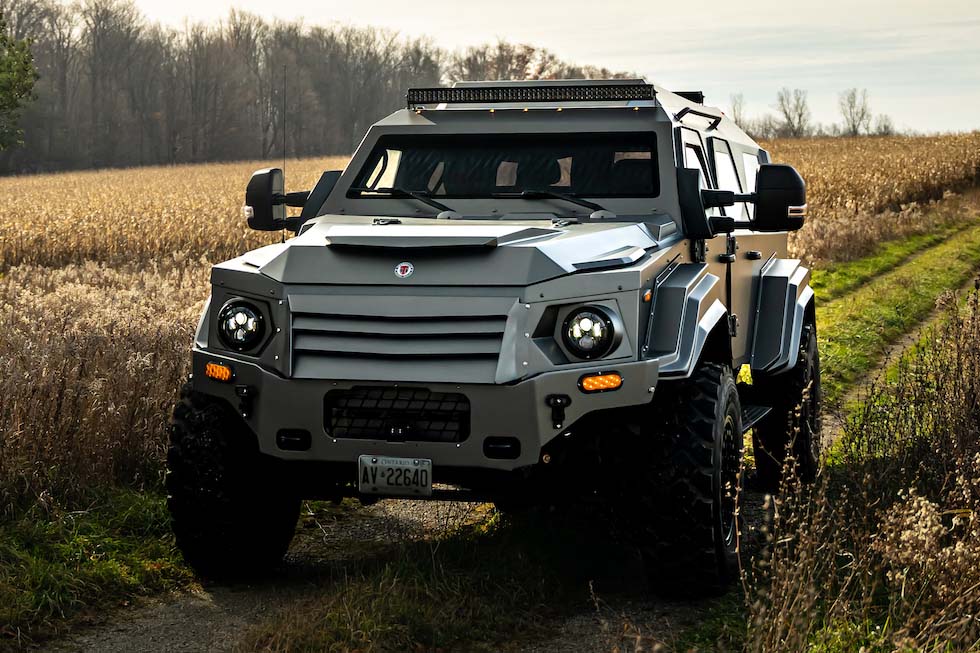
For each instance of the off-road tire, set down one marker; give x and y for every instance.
(690, 519)
(231, 519)
(794, 423)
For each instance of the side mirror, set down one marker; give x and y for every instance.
(780, 199)
(694, 204)
(261, 210)
(266, 200)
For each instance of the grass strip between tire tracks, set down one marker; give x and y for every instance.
(856, 329)
(833, 282)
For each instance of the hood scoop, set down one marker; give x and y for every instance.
(400, 236)
(620, 257)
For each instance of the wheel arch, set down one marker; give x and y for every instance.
(688, 321)
(786, 303)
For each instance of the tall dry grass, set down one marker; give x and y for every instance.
(884, 553)
(138, 214)
(92, 358)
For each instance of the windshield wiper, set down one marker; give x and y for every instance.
(544, 194)
(423, 196)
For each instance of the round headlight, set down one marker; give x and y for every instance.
(241, 325)
(588, 332)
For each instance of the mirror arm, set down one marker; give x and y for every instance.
(296, 199)
(747, 197)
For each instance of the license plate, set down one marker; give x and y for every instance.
(394, 476)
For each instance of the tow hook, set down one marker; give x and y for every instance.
(245, 395)
(558, 404)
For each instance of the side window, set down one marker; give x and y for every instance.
(694, 158)
(727, 176)
(751, 163)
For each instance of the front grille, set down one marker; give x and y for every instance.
(420, 339)
(397, 414)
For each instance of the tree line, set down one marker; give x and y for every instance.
(117, 90)
(792, 117)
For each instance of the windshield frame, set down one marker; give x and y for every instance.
(603, 120)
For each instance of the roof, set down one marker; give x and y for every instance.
(682, 108)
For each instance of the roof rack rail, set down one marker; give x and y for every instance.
(694, 96)
(522, 94)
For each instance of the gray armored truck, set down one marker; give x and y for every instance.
(517, 292)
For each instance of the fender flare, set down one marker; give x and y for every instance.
(785, 298)
(686, 307)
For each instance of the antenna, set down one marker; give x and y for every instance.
(284, 119)
(283, 232)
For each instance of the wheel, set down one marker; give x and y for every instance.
(688, 502)
(794, 422)
(230, 518)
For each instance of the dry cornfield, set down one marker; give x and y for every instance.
(865, 190)
(104, 273)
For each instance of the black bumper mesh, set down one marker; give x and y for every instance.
(397, 414)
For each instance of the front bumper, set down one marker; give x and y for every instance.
(518, 410)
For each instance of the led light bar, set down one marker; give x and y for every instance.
(521, 94)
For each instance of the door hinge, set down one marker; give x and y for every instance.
(733, 325)
(699, 251)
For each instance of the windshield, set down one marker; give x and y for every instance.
(494, 165)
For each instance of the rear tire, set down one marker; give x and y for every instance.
(793, 425)
(688, 502)
(230, 517)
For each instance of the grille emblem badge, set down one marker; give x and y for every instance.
(404, 270)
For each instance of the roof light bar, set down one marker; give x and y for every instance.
(520, 94)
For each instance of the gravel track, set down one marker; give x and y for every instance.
(211, 618)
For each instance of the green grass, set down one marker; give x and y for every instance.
(55, 568)
(833, 282)
(857, 329)
(474, 589)
(720, 628)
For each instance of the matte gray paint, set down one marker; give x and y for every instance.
(784, 295)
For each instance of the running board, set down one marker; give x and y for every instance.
(752, 414)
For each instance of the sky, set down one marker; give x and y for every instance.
(919, 60)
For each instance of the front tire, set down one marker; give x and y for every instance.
(691, 523)
(230, 517)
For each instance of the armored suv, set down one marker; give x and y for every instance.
(516, 292)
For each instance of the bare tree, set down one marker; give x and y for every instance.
(794, 109)
(884, 125)
(855, 111)
(738, 109)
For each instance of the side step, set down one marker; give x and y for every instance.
(752, 414)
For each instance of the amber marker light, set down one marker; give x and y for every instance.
(218, 372)
(600, 382)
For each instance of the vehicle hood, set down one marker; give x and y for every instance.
(366, 250)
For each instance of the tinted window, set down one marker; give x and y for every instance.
(693, 159)
(751, 163)
(728, 177)
(587, 165)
